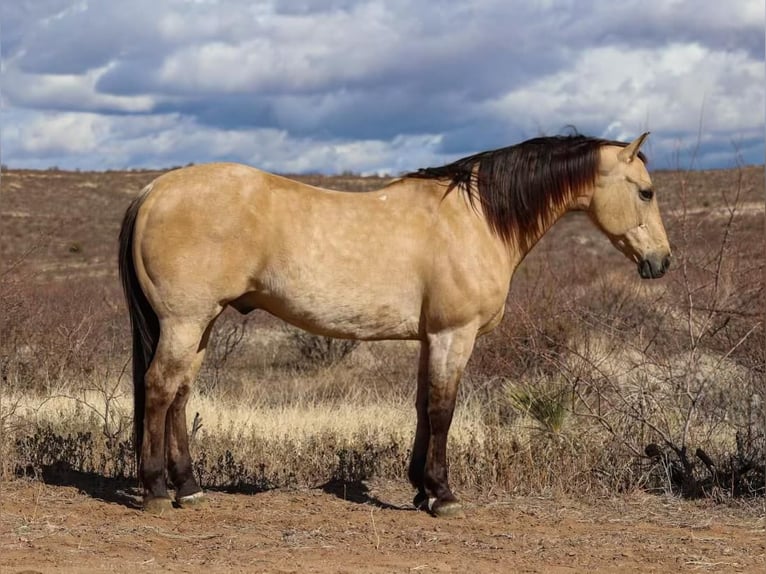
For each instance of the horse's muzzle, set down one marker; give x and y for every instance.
(653, 267)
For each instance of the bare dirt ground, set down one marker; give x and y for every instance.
(47, 528)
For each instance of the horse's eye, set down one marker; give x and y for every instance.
(646, 194)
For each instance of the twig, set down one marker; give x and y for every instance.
(374, 529)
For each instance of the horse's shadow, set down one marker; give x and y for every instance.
(125, 491)
(114, 490)
(358, 492)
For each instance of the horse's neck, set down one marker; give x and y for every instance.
(523, 245)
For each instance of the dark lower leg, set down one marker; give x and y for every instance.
(178, 458)
(152, 471)
(435, 479)
(417, 466)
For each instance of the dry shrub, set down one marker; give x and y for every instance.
(218, 376)
(48, 450)
(57, 334)
(61, 339)
(317, 350)
(262, 463)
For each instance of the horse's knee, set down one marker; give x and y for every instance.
(168, 380)
(159, 395)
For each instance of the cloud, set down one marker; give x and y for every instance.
(334, 80)
(670, 88)
(171, 139)
(69, 91)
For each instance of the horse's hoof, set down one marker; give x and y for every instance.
(451, 509)
(158, 505)
(195, 500)
(420, 501)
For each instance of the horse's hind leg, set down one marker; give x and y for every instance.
(188, 491)
(167, 383)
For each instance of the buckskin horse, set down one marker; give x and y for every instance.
(428, 257)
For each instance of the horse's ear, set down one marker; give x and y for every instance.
(630, 151)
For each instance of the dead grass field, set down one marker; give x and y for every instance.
(305, 460)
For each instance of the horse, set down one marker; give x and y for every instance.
(428, 257)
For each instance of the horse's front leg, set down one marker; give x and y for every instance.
(417, 467)
(448, 353)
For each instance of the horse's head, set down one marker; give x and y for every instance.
(624, 206)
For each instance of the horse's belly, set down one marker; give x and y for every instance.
(353, 313)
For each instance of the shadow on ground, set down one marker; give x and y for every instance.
(115, 490)
(126, 492)
(359, 493)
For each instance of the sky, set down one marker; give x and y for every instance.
(374, 86)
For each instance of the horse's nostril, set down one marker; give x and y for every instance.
(665, 263)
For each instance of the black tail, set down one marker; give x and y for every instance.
(143, 321)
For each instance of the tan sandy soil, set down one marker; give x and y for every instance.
(46, 528)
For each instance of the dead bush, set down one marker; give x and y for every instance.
(317, 350)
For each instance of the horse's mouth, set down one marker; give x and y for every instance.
(649, 270)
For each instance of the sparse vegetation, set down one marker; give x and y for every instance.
(595, 382)
(319, 350)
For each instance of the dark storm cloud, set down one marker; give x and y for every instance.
(381, 114)
(20, 19)
(74, 37)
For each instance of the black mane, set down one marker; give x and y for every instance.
(518, 185)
